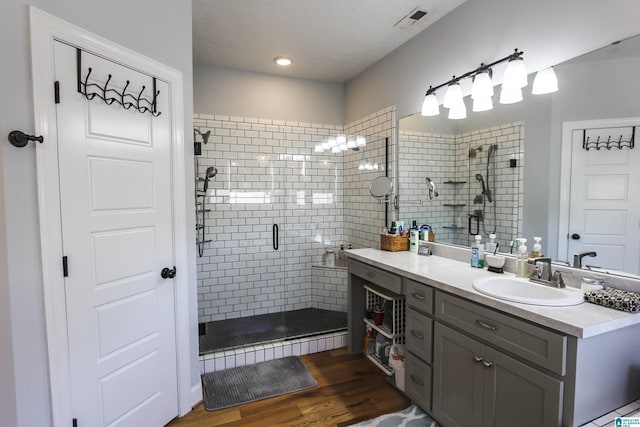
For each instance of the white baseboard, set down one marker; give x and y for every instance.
(196, 394)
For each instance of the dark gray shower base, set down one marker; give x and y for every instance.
(224, 334)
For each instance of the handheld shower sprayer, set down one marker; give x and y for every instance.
(209, 173)
(485, 190)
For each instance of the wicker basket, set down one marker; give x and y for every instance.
(394, 243)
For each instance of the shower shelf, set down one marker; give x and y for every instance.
(452, 227)
(455, 182)
(454, 205)
(203, 241)
(203, 210)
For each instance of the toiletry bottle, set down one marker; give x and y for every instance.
(491, 244)
(341, 259)
(521, 258)
(477, 253)
(431, 236)
(537, 248)
(413, 237)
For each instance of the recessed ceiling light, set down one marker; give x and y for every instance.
(283, 60)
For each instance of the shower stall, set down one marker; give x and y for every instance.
(269, 207)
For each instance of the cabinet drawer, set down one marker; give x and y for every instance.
(419, 334)
(419, 296)
(418, 381)
(538, 345)
(374, 275)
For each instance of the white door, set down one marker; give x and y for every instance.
(604, 208)
(115, 185)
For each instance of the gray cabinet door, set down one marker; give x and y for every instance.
(518, 395)
(418, 381)
(457, 378)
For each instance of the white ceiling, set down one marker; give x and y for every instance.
(330, 40)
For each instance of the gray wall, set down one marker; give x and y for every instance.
(459, 42)
(548, 31)
(160, 30)
(219, 90)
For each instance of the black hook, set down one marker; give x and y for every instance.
(21, 139)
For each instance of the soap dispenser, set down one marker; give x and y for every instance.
(413, 237)
(536, 252)
(521, 255)
(477, 253)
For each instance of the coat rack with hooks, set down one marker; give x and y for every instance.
(608, 142)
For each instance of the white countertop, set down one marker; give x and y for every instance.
(582, 321)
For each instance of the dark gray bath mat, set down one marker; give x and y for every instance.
(249, 383)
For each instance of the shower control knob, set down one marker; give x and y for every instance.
(168, 273)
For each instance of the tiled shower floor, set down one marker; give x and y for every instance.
(244, 331)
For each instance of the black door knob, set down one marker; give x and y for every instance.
(168, 273)
(575, 236)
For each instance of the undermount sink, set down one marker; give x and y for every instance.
(526, 292)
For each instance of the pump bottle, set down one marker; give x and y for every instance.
(477, 253)
(521, 258)
(537, 248)
(491, 244)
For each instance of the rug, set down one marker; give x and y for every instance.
(413, 416)
(244, 384)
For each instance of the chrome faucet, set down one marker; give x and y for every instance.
(577, 258)
(552, 278)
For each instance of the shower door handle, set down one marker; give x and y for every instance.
(276, 237)
(477, 218)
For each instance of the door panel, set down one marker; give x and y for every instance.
(115, 195)
(516, 394)
(604, 211)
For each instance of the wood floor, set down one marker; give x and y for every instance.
(350, 390)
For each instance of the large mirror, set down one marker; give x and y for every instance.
(505, 171)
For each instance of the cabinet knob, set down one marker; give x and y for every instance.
(487, 364)
(477, 359)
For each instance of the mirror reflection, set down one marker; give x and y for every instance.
(486, 184)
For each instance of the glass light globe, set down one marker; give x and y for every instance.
(452, 96)
(482, 104)
(482, 86)
(510, 94)
(458, 111)
(430, 105)
(545, 82)
(515, 74)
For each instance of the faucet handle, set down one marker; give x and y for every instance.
(536, 273)
(557, 279)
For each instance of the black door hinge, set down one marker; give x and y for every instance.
(74, 422)
(65, 268)
(56, 91)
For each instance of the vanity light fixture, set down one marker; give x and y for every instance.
(514, 79)
(545, 82)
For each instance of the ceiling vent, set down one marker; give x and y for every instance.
(410, 19)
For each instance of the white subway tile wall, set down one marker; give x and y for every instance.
(329, 288)
(248, 355)
(268, 173)
(445, 159)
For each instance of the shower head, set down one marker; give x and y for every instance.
(209, 173)
(473, 151)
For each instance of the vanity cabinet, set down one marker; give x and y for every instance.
(476, 385)
(472, 364)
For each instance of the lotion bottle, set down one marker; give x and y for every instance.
(491, 244)
(521, 255)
